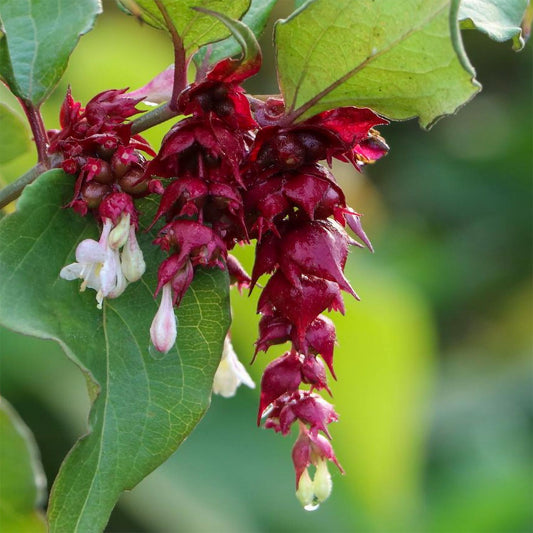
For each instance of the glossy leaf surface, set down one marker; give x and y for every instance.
(39, 38)
(143, 407)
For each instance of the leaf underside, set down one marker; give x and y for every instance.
(194, 28)
(145, 407)
(402, 59)
(500, 20)
(255, 18)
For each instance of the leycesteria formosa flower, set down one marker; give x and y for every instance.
(100, 264)
(230, 373)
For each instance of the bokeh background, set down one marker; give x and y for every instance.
(434, 364)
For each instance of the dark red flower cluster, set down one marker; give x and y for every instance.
(97, 147)
(236, 175)
(226, 174)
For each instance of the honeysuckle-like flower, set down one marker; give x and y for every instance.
(163, 330)
(312, 449)
(230, 373)
(97, 264)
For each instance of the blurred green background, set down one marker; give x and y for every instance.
(434, 364)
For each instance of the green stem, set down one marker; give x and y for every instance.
(13, 190)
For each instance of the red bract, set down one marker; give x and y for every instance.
(299, 305)
(283, 375)
(178, 273)
(305, 406)
(333, 133)
(318, 248)
(193, 241)
(197, 148)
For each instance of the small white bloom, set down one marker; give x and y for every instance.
(230, 373)
(96, 265)
(163, 330)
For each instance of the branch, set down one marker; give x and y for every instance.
(180, 61)
(13, 190)
(37, 128)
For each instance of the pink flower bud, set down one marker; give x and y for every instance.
(163, 330)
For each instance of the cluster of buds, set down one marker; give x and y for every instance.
(97, 147)
(235, 169)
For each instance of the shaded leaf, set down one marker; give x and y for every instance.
(14, 136)
(499, 20)
(144, 407)
(39, 38)
(194, 28)
(23, 485)
(400, 59)
(255, 18)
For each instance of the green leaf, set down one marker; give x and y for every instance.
(14, 136)
(194, 28)
(255, 18)
(39, 38)
(500, 20)
(144, 407)
(401, 61)
(23, 485)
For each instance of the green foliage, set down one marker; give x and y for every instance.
(194, 28)
(23, 484)
(499, 20)
(400, 60)
(14, 137)
(39, 38)
(144, 407)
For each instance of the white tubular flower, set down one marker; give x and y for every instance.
(163, 330)
(96, 265)
(132, 260)
(230, 373)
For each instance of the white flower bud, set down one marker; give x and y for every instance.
(163, 330)
(306, 491)
(132, 260)
(322, 481)
(119, 234)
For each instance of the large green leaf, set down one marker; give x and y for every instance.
(402, 59)
(14, 136)
(22, 485)
(39, 38)
(255, 18)
(500, 20)
(143, 407)
(194, 28)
